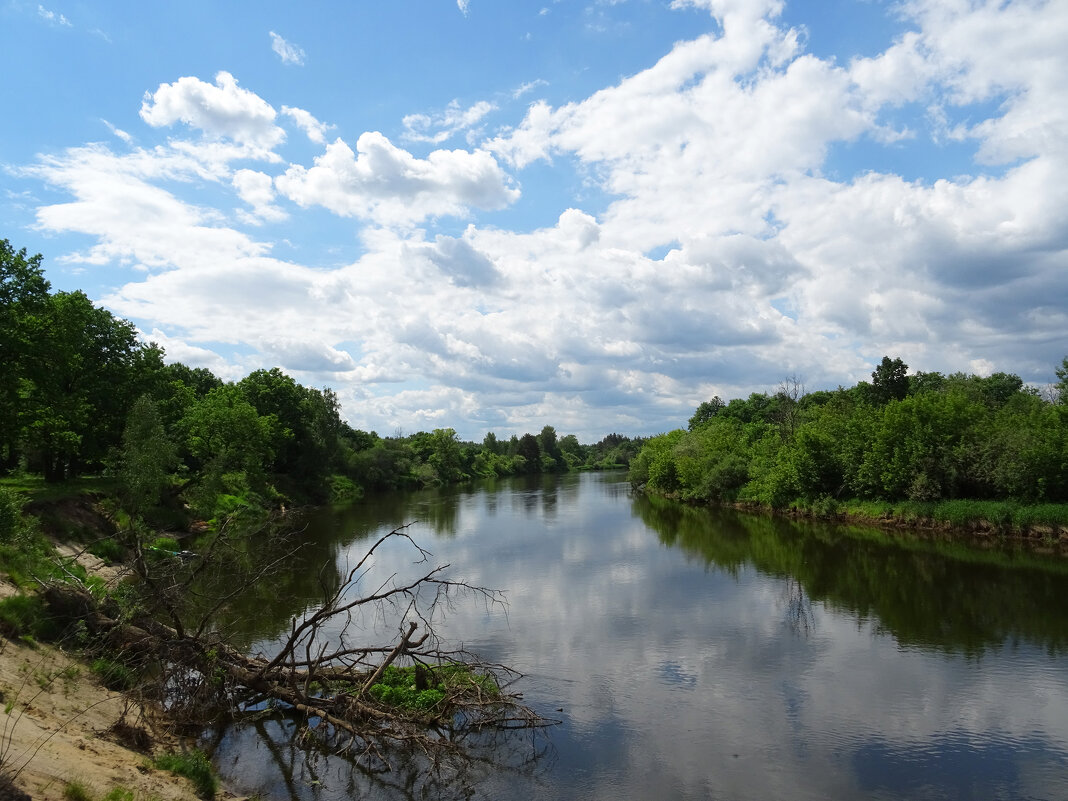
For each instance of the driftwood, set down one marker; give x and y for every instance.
(326, 680)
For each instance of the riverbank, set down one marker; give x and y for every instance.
(1042, 527)
(60, 727)
(63, 734)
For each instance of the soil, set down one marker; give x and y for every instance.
(61, 725)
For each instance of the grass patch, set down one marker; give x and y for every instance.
(108, 549)
(969, 513)
(77, 791)
(25, 617)
(35, 488)
(169, 544)
(114, 675)
(1051, 515)
(193, 765)
(874, 510)
(398, 687)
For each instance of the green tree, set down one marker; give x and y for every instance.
(87, 371)
(23, 297)
(490, 444)
(147, 457)
(551, 457)
(705, 412)
(529, 449)
(890, 380)
(573, 451)
(231, 445)
(1062, 382)
(445, 456)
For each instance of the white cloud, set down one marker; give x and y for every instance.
(306, 355)
(463, 6)
(529, 86)
(287, 51)
(222, 111)
(53, 17)
(726, 253)
(440, 126)
(177, 350)
(134, 221)
(315, 130)
(121, 134)
(257, 189)
(389, 185)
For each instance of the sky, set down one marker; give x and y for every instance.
(495, 215)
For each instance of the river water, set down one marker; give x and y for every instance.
(704, 654)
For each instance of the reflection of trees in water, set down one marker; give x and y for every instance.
(798, 607)
(306, 567)
(300, 767)
(928, 593)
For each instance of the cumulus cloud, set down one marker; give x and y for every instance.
(727, 252)
(222, 111)
(257, 189)
(384, 183)
(287, 51)
(456, 258)
(306, 355)
(134, 221)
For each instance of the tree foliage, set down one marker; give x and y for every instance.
(926, 437)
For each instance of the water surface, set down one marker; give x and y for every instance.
(703, 654)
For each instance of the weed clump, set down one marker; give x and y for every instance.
(193, 765)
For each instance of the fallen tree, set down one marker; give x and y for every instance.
(413, 692)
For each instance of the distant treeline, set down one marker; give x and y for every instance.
(925, 437)
(81, 394)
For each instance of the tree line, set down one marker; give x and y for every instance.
(924, 437)
(81, 394)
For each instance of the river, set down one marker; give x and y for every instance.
(704, 654)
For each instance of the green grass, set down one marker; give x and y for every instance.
(108, 550)
(77, 791)
(1003, 516)
(35, 488)
(113, 674)
(397, 687)
(25, 616)
(193, 765)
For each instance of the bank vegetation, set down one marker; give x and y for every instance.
(958, 451)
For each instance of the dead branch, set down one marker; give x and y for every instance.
(339, 689)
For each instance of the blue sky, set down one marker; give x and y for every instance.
(592, 214)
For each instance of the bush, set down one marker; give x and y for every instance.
(343, 489)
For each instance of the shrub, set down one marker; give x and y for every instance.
(343, 489)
